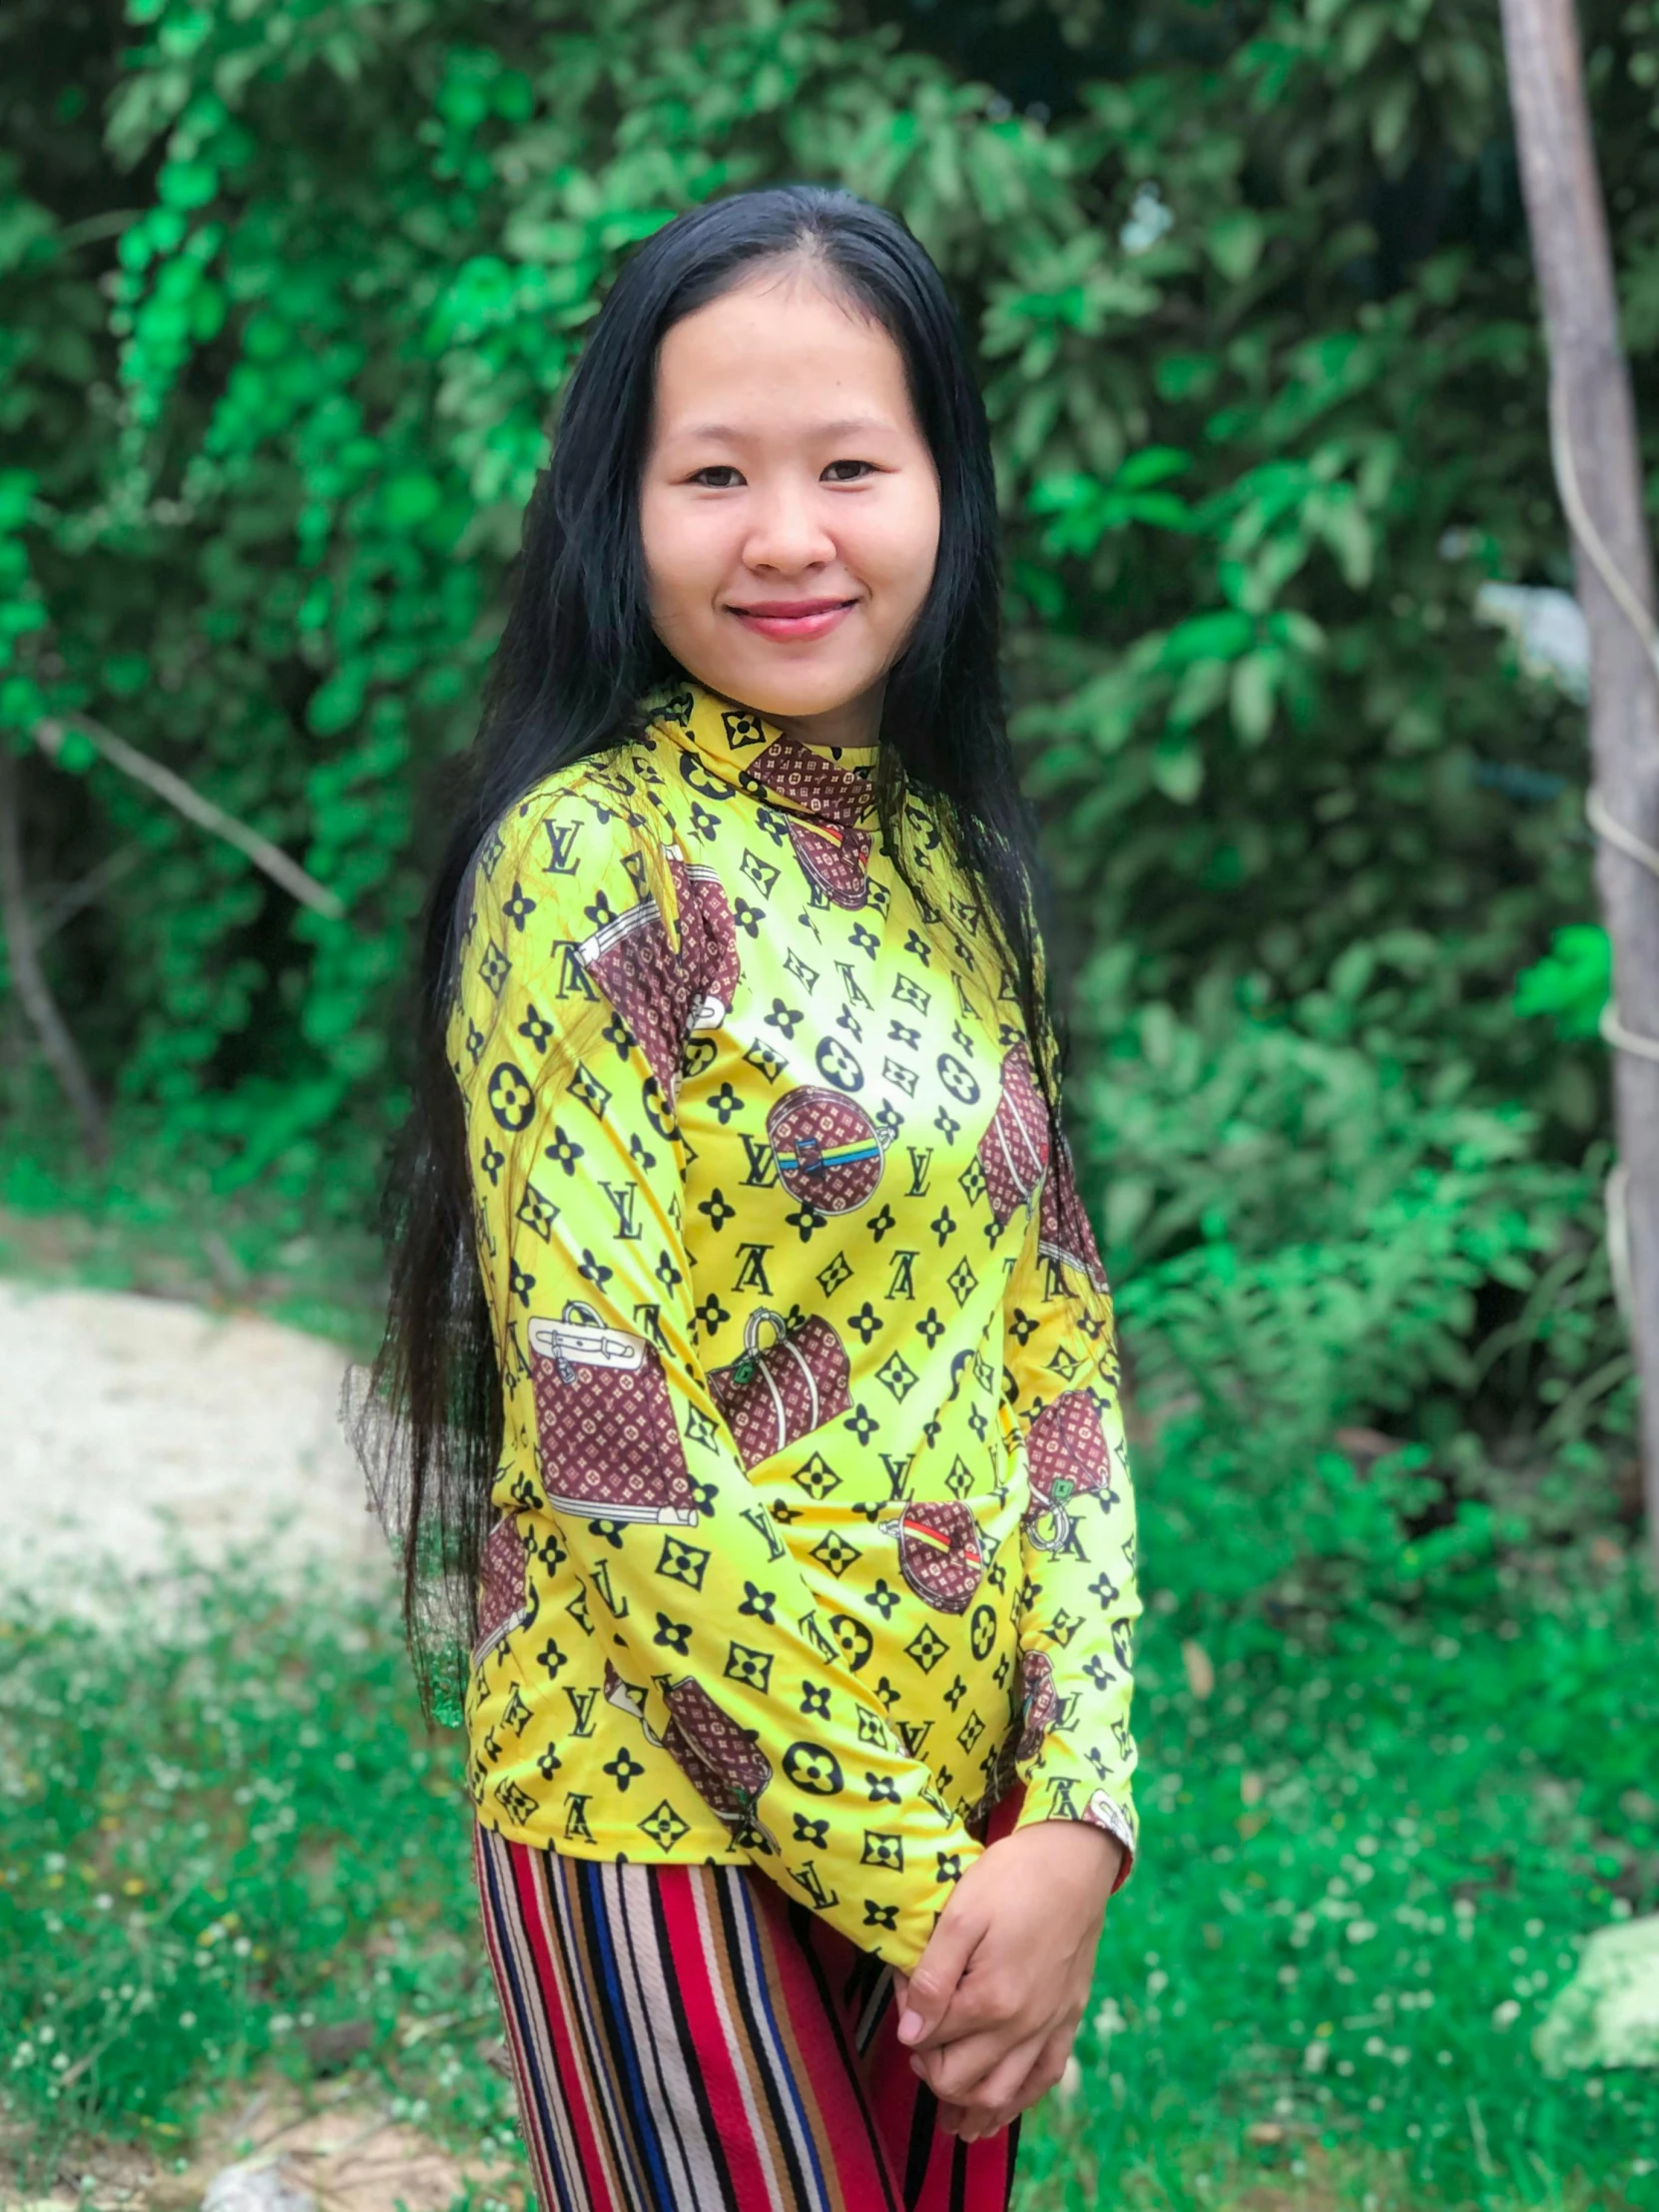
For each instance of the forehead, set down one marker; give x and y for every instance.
(781, 352)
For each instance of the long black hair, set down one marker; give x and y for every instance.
(576, 659)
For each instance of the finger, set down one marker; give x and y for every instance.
(957, 2071)
(978, 2125)
(1045, 2071)
(1003, 2083)
(981, 2003)
(940, 1968)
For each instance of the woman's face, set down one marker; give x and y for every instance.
(790, 506)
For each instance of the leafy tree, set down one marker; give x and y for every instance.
(287, 291)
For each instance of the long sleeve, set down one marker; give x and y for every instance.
(594, 956)
(1079, 1602)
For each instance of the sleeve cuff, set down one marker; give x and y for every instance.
(1100, 1809)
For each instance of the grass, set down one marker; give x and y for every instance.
(227, 1851)
(165, 1232)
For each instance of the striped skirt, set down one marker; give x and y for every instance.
(691, 2039)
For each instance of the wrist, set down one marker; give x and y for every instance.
(1103, 1857)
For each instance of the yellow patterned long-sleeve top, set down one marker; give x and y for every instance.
(815, 1531)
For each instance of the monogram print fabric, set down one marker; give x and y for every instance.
(816, 1529)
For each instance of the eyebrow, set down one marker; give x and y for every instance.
(845, 426)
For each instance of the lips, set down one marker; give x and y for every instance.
(794, 620)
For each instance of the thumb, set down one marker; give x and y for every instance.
(940, 1968)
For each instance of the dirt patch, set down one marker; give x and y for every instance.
(344, 2151)
(138, 1425)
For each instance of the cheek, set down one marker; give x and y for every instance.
(904, 544)
(682, 564)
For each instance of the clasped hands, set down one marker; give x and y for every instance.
(990, 2012)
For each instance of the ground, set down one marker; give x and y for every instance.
(129, 1417)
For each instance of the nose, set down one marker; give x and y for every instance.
(786, 535)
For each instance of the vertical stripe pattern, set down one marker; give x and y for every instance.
(691, 2039)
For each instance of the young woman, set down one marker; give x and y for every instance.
(751, 1361)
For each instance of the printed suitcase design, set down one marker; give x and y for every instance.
(503, 1599)
(774, 1393)
(1013, 1152)
(709, 941)
(722, 1761)
(610, 1445)
(1066, 1456)
(829, 1151)
(939, 1553)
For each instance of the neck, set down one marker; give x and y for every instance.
(856, 722)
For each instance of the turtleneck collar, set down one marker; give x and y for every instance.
(828, 784)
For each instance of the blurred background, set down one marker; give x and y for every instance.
(287, 291)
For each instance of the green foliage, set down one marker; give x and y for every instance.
(1572, 982)
(227, 1833)
(288, 297)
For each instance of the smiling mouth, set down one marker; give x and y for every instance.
(793, 618)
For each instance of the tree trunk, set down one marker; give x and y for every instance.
(29, 977)
(1598, 469)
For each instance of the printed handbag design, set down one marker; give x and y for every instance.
(1000, 1776)
(722, 1761)
(939, 1553)
(829, 1151)
(1040, 1703)
(836, 859)
(1064, 1235)
(770, 1394)
(1067, 1456)
(1038, 1710)
(610, 1445)
(503, 1601)
(1013, 1152)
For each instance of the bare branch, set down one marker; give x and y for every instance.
(274, 862)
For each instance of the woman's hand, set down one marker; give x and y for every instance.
(993, 2005)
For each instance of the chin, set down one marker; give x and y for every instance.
(791, 691)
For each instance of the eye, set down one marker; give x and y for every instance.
(849, 473)
(717, 476)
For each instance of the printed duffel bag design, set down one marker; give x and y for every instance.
(610, 1445)
(1067, 1456)
(774, 1393)
(1039, 1705)
(504, 1603)
(722, 1761)
(829, 1151)
(835, 860)
(1013, 1152)
(939, 1553)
